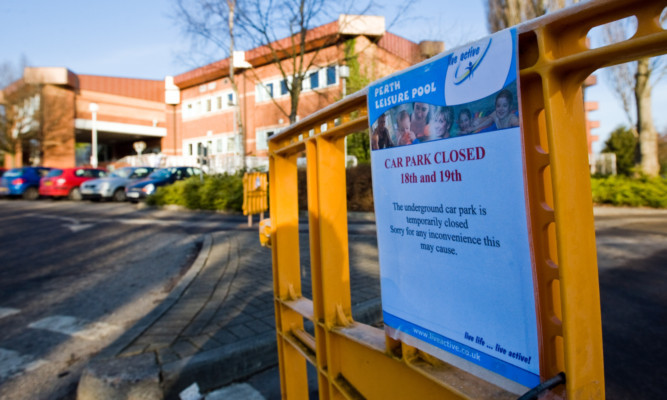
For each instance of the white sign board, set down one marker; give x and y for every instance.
(448, 181)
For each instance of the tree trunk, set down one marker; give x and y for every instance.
(297, 83)
(648, 137)
(231, 8)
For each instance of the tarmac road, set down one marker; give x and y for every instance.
(74, 276)
(632, 256)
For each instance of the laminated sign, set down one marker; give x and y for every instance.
(450, 201)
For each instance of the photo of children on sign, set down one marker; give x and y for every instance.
(418, 122)
(456, 270)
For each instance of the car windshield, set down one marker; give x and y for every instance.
(55, 172)
(13, 173)
(122, 173)
(160, 174)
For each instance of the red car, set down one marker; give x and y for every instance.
(65, 182)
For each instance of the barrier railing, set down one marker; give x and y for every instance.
(255, 195)
(353, 360)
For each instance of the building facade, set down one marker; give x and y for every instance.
(198, 113)
(207, 109)
(50, 110)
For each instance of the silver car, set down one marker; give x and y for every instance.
(113, 186)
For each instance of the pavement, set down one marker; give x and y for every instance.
(217, 326)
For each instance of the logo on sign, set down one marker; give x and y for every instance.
(470, 64)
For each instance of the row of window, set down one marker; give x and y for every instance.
(264, 91)
(209, 104)
(226, 144)
(276, 88)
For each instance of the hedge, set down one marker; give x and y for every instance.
(224, 192)
(220, 192)
(624, 191)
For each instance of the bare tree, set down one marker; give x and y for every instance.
(18, 114)
(265, 22)
(21, 123)
(215, 22)
(633, 83)
(502, 14)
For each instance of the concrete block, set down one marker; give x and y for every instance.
(129, 378)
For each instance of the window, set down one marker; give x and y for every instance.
(265, 91)
(231, 144)
(262, 138)
(218, 146)
(230, 99)
(191, 149)
(331, 75)
(218, 101)
(314, 80)
(283, 87)
(261, 142)
(208, 105)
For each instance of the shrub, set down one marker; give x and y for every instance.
(220, 192)
(623, 191)
(623, 143)
(359, 184)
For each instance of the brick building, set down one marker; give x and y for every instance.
(195, 112)
(184, 114)
(207, 108)
(51, 111)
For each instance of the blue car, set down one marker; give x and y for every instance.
(23, 181)
(161, 177)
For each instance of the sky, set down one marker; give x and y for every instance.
(140, 39)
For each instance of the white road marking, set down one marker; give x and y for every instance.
(13, 363)
(72, 224)
(78, 227)
(6, 312)
(237, 391)
(75, 327)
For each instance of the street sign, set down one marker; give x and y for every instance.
(448, 180)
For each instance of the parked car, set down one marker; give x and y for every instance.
(23, 181)
(113, 186)
(65, 182)
(161, 177)
(2, 172)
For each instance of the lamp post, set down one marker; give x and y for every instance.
(344, 73)
(93, 107)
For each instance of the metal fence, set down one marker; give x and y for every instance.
(214, 164)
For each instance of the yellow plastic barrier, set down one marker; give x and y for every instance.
(255, 195)
(359, 361)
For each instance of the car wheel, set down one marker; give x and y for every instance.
(119, 195)
(31, 193)
(75, 194)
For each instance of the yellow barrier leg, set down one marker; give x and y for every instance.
(286, 273)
